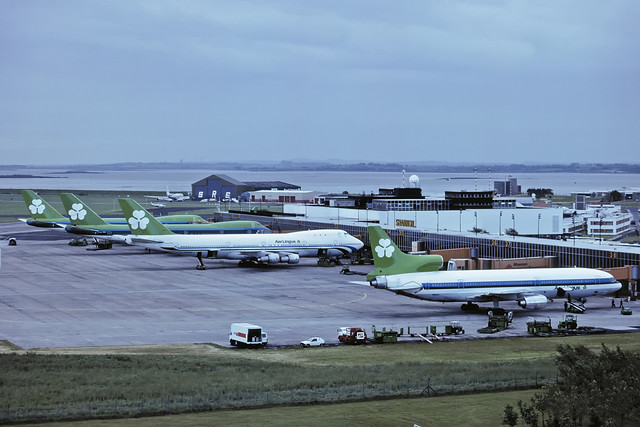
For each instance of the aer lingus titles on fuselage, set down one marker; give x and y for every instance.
(258, 248)
(418, 276)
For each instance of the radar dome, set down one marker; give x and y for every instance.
(414, 181)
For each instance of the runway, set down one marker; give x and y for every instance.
(56, 295)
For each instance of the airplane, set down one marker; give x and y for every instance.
(86, 221)
(170, 197)
(149, 233)
(418, 276)
(45, 215)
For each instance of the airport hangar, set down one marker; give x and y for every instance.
(225, 188)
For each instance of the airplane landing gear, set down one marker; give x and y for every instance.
(470, 307)
(200, 266)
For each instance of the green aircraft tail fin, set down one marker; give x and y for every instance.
(140, 221)
(79, 212)
(40, 209)
(389, 259)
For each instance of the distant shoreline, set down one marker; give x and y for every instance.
(21, 176)
(311, 166)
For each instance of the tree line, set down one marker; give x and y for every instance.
(599, 389)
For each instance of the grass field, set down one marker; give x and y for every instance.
(134, 381)
(462, 410)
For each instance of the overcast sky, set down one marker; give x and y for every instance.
(472, 81)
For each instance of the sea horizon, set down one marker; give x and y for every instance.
(433, 184)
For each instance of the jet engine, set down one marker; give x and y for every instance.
(379, 282)
(532, 302)
(290, 258)
(270, 258)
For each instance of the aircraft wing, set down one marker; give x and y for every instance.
(510, 294)
(142, 240)
(110, 238)
(43, 224)
(75, 229)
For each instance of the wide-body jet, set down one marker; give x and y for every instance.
(418, 276)
(256, 248)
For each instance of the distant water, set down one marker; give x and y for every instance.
(432, 184)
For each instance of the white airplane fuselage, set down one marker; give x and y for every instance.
(243, 246)
(527, 286)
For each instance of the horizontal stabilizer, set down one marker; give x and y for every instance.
(135, 240)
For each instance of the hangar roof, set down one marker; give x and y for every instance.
(226, 178)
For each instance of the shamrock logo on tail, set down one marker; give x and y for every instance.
(138, 220)
(77, 211)
(36, 206)
(384, 248)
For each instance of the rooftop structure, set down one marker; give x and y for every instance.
(508, 187)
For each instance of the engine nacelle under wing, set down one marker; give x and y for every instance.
(533, 301)
(289, 258)
(270, 258)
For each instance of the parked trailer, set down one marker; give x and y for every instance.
(499, 320)
(451, 328)
(352, 335)
(567, 326)
(384, 335)
(246, 334)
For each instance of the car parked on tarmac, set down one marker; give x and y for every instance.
(312, 342)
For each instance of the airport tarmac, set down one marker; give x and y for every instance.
(56, 295)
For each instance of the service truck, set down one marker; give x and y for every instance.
(246, 334)
(351, 335)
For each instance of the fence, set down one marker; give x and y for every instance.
(342, 393)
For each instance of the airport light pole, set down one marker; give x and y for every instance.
(476, 215)
(437, 221)
(513, 217)
(600, 230)
(500, 226)
(461, 220)
(539, 215)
